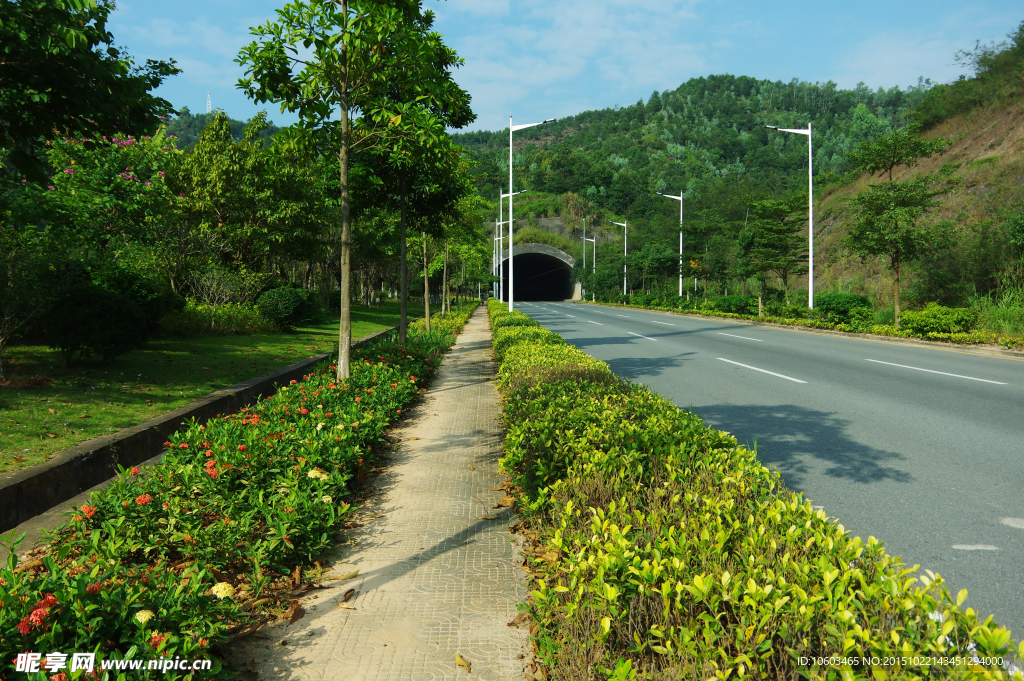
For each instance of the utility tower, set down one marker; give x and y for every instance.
(209, 104)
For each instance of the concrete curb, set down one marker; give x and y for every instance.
(935, 345)
(31, 491)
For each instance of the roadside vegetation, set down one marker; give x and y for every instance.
(53, 410)
(659, 548)
(141, 570)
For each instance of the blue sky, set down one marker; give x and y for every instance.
(540, 59)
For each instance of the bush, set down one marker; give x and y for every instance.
(514, 318)
(935, 318)
(506, 337)
(736, 304)
(230, 318)
(166, 562)
(839, 306)
(663, 549)
(284, 306)
(89, 320)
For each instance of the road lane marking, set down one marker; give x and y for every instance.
(636, 334)
(598, 323)
(1013, 522)
(622, 315)
(656, 322)
(569, 315)
(904, 366)
(763, 371)
(975, 547)
(735, 336)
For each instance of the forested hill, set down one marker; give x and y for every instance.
(707, 136)
(187, 126)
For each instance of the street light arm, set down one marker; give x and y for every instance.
(793, 130)
(530, 125)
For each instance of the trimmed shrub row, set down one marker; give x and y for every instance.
(168, 561)
(934, 322)
(664, 550)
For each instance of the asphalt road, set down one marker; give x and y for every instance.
(922, 448)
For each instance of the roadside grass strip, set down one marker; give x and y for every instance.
(661, 549)
(173, 560)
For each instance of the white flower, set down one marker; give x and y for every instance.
(223, 590)
(319, 427)
(318, 474)
(143, 616)
(326, 499)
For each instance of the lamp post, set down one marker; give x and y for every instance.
(625, 250)
(680, 200)
(511, 129)
(810, 205)
(593, 260)
(501, 246)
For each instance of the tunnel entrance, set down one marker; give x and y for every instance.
(541, 273)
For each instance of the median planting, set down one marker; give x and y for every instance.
(661, 549)
(171, 560)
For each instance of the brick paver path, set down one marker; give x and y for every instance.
(438, 572)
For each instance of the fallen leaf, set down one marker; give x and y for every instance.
(85, 416)
(503, 486)
(52, 411)
(460, 661)
(345, 607)
(519, 620)
(377, 515)
(18, 460)
(348, 595)
(351, 575)
(506, 501)
(472, 467)
(296, 614)
(297, 575)
(408, 439)
(51, 435)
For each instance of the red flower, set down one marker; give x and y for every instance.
(49, 600)
(167, 444)
(94, 588)
(183, 445)
(294, 382)
(155, 640)
(166, 505)
(143, 499)
(88, 510)
(135, 470)
(305, 411)
(59, 677)
(241, 448)
(212, 472)
(203, 642)
(209, 452)
(359, 399)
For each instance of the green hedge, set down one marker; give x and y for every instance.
(451, 323)
(668, 551)
(165, 561)
(230, 318)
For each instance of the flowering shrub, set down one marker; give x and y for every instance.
(162, 561)
(663, 550)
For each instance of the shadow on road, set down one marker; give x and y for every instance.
(797, 440)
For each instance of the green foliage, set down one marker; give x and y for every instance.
(197, 319)
(935, 318)
(885, 153)
(90, 320)
(736, 304)
(665, 550)
(62, 72)
(285, 307)
(270, 482)
(186, 127)
(839, 306)
(997, 68)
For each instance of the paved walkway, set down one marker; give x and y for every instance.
(439, 574)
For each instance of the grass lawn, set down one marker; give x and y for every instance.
(94, 399)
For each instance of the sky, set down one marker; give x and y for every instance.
(539, 59)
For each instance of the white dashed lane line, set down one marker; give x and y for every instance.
(657, 322)
(904, 366)
(975, 547)
(763, 371)
(598, 323)
(758, 340)
(1013, 522)
(639, 336)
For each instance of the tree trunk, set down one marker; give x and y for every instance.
(445, 305)
(426, 284)
(403, 324)
(896, 295)
(345, 326)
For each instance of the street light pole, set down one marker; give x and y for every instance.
(625, 249)
(680, 200)
(810, 205)
(501, 244)
(593, 261)
(511, 129)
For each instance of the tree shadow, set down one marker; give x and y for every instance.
(800, 442)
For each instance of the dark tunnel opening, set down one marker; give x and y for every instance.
(539, 277)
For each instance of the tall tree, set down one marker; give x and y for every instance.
(60, 73)
(771, 241)
(887, 226)
(324, 56)
(901, 147)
